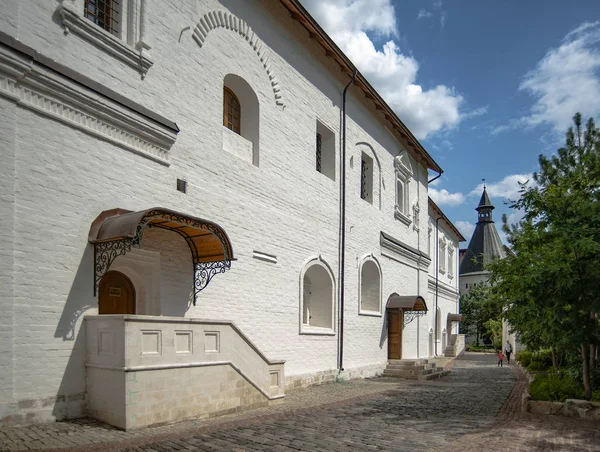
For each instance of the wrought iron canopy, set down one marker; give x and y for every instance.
(116, 231)
(413, 306)
(409, 302)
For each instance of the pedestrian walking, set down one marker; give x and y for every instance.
(500, 358)
(508, 351)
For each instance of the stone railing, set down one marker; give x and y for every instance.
(144, 370)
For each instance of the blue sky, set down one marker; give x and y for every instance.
(486, 86)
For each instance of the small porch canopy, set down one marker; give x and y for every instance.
(116, 231)
(413, 306)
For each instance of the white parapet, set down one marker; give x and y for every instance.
(144, 370)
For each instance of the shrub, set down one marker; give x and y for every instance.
(537, 366)
(555, 388)
(524, 357)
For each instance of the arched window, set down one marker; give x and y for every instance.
(231, 111)
(241, 119)
(317, 298)
(370, 287)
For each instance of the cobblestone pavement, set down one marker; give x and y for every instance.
(476, 408)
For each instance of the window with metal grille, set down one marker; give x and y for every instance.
(363, 179)
(182, 185)
(325, 151)
(231, 111)
(319, 156)
(104, 13)
(366, 178)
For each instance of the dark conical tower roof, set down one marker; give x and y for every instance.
(485, 245)
(484, 201)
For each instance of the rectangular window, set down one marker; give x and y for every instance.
(104, 13)
(325, 151)
(450, 261)
(442, 257)
(400, 204)
(366, 178)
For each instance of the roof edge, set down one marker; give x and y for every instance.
(300, 14)
(435, 207)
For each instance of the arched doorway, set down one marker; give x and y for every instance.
(116, 294)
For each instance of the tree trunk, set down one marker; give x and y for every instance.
(554, 363)
(587, 386)
(593, 356)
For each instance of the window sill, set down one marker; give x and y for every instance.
(400, 216)
(370, 313)
(75, 22)
(316, 330)
(237, 145)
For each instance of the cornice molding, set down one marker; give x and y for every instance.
(224, 19)
(401, 252)
(443, 288)
(73, 21)
(33, 86)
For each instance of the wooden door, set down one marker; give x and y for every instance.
(394, 334)
(116, 294)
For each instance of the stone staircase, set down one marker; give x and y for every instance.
(414, 369)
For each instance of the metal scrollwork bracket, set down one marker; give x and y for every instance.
(204, 272)
(409, 316)
(105, 254)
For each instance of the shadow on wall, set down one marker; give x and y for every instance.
(81, 297)
(71, 400)
(384, 329)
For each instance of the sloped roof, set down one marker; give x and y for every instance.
(484, 201)
(485, 244)
(332, 50)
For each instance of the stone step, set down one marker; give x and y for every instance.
(411, 367)
(408, 361)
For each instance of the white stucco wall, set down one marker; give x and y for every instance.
(56, 179)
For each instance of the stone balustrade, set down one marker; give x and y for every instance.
(145, 370)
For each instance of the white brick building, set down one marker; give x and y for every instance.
(225, 111)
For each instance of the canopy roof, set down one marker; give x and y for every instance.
(207, 241)
(409, 302)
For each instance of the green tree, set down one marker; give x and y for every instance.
(550, 286)
(478, 307)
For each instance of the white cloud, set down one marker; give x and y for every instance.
(392, 72)
(444, 198)
(466, 228)
(515, 216)
(435, 183)
(564, 82)
(508, 188)
(424, 13)
(474, 113)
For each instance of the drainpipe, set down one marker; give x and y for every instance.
(436, 177)
(342, 252)
(437, 275)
